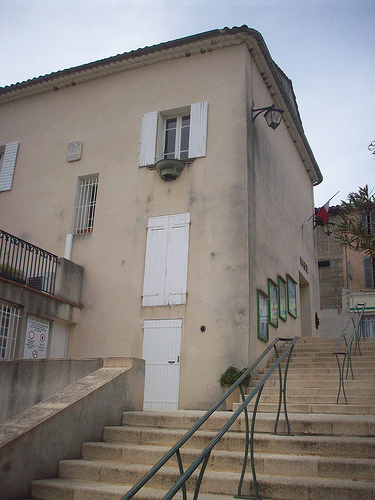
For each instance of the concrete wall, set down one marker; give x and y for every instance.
(33, 442)
(42, 305)
(24, 383)
(279, 242)
(69, 278)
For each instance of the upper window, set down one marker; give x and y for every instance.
(368, 220)
(176, 137)
(369, 271)
(85, 204)
(179, 133)
(8, 155)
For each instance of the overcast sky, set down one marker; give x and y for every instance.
(326, 47)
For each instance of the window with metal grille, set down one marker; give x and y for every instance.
(9, 321)
(85, 204)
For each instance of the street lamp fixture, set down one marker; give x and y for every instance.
(328, 228)
(272, 115)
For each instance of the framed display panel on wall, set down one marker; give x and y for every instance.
(283, 312)
(273, 303)
(262, 308)
(292, 296)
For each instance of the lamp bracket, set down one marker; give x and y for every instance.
(258, 111)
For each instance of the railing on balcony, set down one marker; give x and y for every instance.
(24, 263)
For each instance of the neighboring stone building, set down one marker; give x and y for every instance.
(177, 272)
(346, 279)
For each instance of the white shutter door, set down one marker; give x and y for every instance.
(155, 262)
(198, 129)
(148, 139)
(177, 259)
(7, 166)
(161, 352)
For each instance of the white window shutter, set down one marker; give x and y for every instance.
(7, 166)
(198, 129)
(155, 262)
(177, 259)
(147, 149)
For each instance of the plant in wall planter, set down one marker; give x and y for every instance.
(228, 378)
(169, 169)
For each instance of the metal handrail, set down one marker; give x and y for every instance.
(205, 454)
(346, 354)
(27, 264)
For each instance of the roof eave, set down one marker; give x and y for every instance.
(183, 47)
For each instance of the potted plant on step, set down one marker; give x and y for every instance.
(228, 378)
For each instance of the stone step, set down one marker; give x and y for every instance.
(321, 398)
(321, 383)
(301, 424)
(330, 374)
(63, 489)
(325, 361)
(270, 487)
(365, 369)
(341, 408)
(345, 446)
(316, 391)
(296, 465)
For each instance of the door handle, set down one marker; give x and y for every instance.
(171, 362)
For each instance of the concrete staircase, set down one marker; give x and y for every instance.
(329, 456)
(313, 381)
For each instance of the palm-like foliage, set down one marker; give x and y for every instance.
(356, 230)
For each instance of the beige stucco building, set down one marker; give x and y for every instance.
(173, 270)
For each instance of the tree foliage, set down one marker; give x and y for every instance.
(357, 227)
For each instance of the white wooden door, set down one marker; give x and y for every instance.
(161, 351)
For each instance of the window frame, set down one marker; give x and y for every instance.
(369, 273)
(152, 141)
(368, 220)
(85, 204)
(178, 153)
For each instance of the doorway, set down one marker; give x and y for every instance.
(305, 309)
(161, 352)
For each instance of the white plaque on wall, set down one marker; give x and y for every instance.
(74, 151)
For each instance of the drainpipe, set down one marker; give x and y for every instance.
(68, 246)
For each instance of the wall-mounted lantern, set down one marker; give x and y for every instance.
(272, 115)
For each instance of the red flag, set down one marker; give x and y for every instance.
(323, 213)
